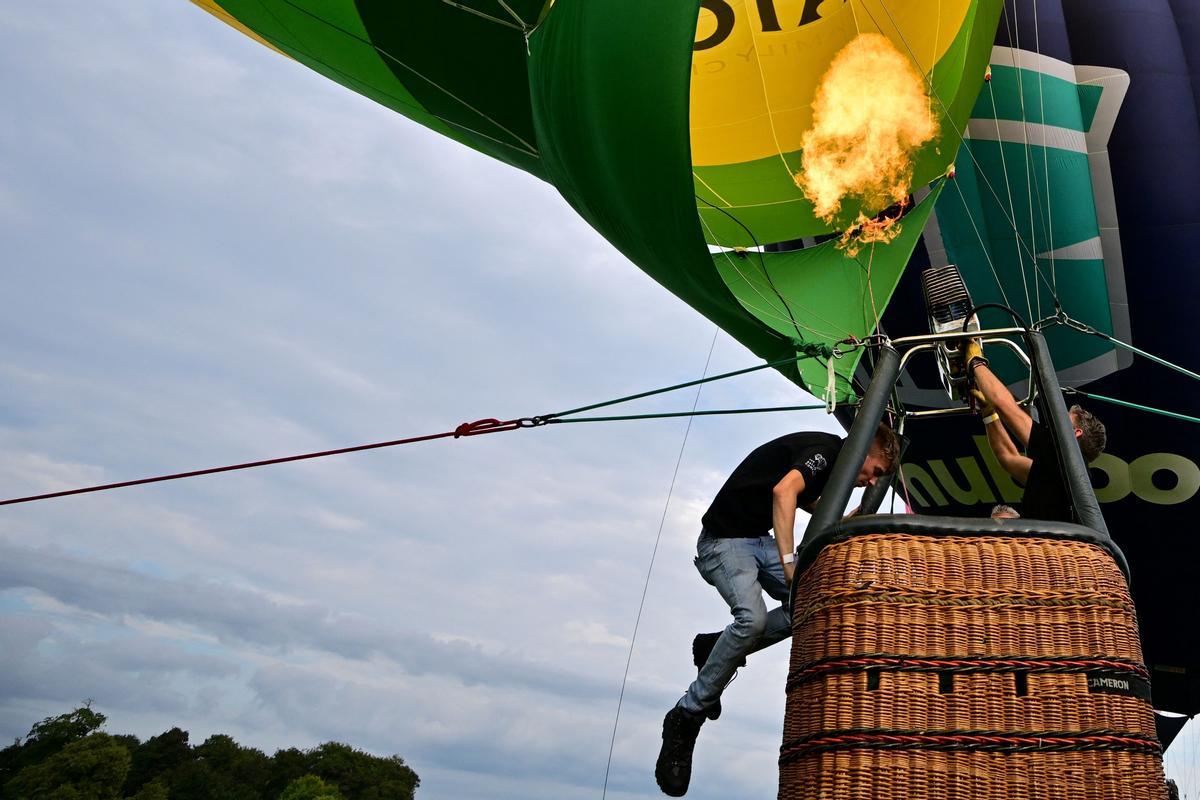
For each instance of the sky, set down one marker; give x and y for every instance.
(214, 255)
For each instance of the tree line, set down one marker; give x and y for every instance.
(68, 757)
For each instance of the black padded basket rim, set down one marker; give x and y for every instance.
(960, 527)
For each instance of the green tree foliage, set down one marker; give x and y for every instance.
(69, 758)
(154, 790)
(92, 768)
(310, 787)
(46, 738)
(158, 755)
(358, 775)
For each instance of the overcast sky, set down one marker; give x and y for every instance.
(212, 254)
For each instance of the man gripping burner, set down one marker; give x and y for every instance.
(1038, 470)
(737, 555)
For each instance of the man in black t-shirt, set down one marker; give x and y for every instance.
(1039, 469)
(737, 555)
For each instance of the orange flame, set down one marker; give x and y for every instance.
(870, 115)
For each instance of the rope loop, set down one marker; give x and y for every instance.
(486, 426)
(812, 349)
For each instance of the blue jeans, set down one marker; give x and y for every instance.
(741, 570)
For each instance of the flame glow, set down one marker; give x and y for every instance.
(870, 115)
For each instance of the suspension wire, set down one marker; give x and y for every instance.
(852, 381)
(1037, 46)
(1015, 36)
(962, 140)
(650, 569)
(978, 168)
(767, 275)
(1127, 404)
(1011, 206)
(762, 76)
(350, 80)
(982, 244)
(519, 25)
(770, 312)
(529, 148)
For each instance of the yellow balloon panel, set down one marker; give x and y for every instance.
(757, 63)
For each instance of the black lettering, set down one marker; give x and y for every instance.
(770, 20)
(810, 11)
(725, 22)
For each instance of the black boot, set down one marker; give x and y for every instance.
(702, 645)
(673, 771)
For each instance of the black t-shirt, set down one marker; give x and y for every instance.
(742, 509)
(1046, 494)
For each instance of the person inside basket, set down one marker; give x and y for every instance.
(1046, 495)
(1002, 511)
(739, 557)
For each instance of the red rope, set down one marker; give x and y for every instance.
(476, 428)
(911, 663)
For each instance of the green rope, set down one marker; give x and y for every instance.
(1150, 356)
(1127, 404)
(687, 414)
(1082, 327)
(640, 395)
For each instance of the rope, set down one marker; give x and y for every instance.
(803, 349)
(477, 428)
(1076, 325)
(650, 569)
(1127, 404)
(968, 740)
(466, 429)
(692, 413)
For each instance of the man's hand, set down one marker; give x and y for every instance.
(972, 351)
(982, 407)
(789, 572)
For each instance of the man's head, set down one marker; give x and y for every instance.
(881, 458)
(1089, 432)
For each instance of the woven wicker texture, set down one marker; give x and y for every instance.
(958, 667)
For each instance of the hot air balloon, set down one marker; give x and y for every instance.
(677, 130)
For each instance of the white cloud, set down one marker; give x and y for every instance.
(596, 633)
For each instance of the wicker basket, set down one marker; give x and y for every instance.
(980, 668)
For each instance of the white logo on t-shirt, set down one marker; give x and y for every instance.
(816, 463)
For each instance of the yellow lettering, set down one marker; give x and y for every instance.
(1010, 490)
(1117, 472)
(976, 490)
(1187, 478)
(914, 475)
